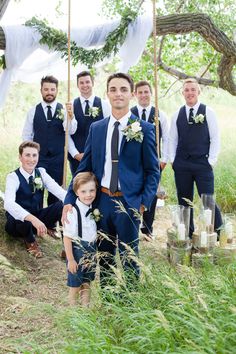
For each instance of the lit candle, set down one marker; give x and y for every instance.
(181, 232)
(229, 230)
(207, 216)
(203, 239)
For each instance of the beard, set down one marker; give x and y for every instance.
(49, 98)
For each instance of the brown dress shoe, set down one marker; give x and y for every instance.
(33, 248)
(53, 233)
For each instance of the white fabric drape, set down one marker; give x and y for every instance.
(27, 60)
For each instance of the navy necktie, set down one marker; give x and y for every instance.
(49, 114)
(190, 118)
(144, 114)
(114, 158)
(31, 183)
(86, 111)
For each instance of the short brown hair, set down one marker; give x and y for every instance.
(82, 178)
(28, 143)
(50, 79)
(142, 83)
(191, 80)
(84, 73)
(121, 76)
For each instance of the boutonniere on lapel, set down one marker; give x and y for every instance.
(38, 183)
(60, 114)
(94, 112)
(133, 131)
(96, 215)
(199, 118)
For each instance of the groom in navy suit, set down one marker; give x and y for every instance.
(121, 152)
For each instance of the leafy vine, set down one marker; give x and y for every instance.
(57, 40)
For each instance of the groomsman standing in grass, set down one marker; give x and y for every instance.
(121, 152)
(194, 145)
(88, 109)
(45, 124)
(145, 111)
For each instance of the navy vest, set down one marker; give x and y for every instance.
(193, 139)
(32, 202)
(151, 117)
(84, 122)
(50, 135)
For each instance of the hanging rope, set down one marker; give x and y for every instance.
(156, 120)
(68, 99)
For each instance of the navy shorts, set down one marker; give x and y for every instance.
(85, 256)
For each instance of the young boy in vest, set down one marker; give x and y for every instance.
(80, 239)
(23, 200)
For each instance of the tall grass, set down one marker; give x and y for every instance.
(181, 310)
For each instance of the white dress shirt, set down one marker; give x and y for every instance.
(106, 110)
(164, 129)
(12, 186)
(213, 132)
(28, 130)
(89, 227)
(106, 179)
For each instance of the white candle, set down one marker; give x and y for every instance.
(203, 239)
(181, 232)
(207, 216)
(229, 230)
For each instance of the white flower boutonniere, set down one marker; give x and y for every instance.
(199, 118)
(94, 112)
(133, 131)
(96, 215)
(60, 114)
(38, 183)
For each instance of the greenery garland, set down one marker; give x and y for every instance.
(57, 40)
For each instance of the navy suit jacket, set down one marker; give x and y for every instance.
(138, 169)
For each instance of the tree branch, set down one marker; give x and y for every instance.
(3, 7)
(182, 76)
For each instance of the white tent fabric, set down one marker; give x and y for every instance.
(27, 60)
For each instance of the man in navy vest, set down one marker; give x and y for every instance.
(194, 146)
(23, 199)
(46, 125)
(145, 111)
(121, 152)
(87, 110)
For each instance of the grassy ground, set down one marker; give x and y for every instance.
(181, 310)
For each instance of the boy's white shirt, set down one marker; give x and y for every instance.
(89, 227)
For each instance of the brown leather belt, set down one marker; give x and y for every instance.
(107, 191)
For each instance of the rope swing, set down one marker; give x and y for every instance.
(156, 120)
(68, 98)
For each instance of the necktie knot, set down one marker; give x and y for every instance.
(89, 212)
(49, 113)
(116, 124)
(86, 111)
